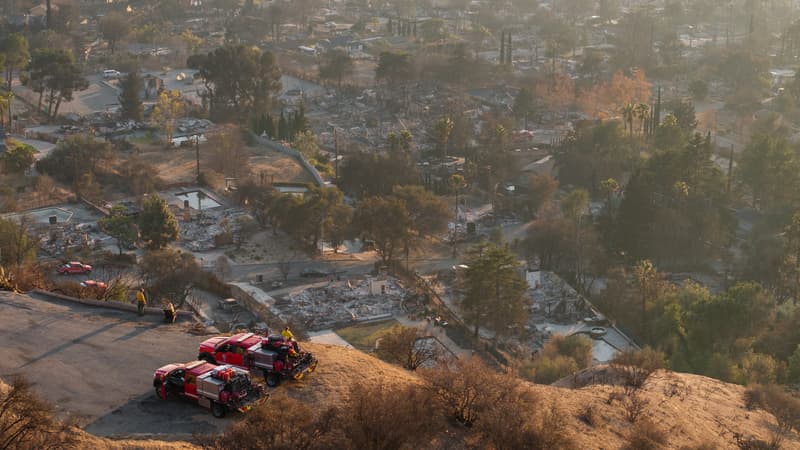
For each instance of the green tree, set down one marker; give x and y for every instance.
(130, 99)
(442, 130)
(168, 109)
(320, 206)
(14, 50)
(433, 30)
(650, 285)
(17, 243)
(369, 174)
(541, 190)
(590, 155)
(684, 113)
(191, 41)
(768, 166)
(383, 220)
(18, 157)
(524, 104)
(790, 269)
(75, 160)
(336, 65)
(698, 89)
(229, 155)
(675, 207)
(157, 224)
(427, 214)
(338, 225)
(394, 68)
(306, 143)
(114, 27)
(121, 226)
(54, 72)
(495, 291)
(240, 81)
(399, 141)
(169, 274)
(574, 205)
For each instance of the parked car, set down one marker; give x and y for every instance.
(99, 285)
(74, 267)
(110, 74)
(313, 273)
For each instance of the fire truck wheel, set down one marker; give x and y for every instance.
(217, 409)
(160, 394)
(272, 379)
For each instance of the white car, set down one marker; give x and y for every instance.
(111, 74)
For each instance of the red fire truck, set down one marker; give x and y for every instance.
(220, 388)
(276, 357)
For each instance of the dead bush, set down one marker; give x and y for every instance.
(29, 276)
(743, 442)
(465, 387)
(403, 345)
(776, 401)
(577, 347)
(516, 422)
(387, 418)
(636, 366)
(282, 424)
(615, 396)
(26, 422)
(646, 435)
(703, 446)
(590, 416)
(635, 406)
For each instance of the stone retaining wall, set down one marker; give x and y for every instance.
(149, 310)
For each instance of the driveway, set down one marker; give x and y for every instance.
(95, 366)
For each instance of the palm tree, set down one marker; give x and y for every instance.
(628, 113)
(642, 112)
(5, 108)
(442, 130)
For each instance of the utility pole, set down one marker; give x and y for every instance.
(197, 154)
(336, 150)
(730, 171)
(455, 226)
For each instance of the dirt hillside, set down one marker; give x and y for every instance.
(692, 410)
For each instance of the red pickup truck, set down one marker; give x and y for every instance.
(275, 357)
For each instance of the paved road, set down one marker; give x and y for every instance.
(96, 366)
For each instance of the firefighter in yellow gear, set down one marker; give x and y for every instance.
(141, 301)
(169, 312)
(288, 336)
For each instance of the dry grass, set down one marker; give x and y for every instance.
(179, 165)
(691, 410)
(363, 336)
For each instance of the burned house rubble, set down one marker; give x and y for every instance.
(554, 299)
(557, 308)
(346, 301)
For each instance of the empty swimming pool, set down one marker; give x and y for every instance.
(205, 203)
(42, 216)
